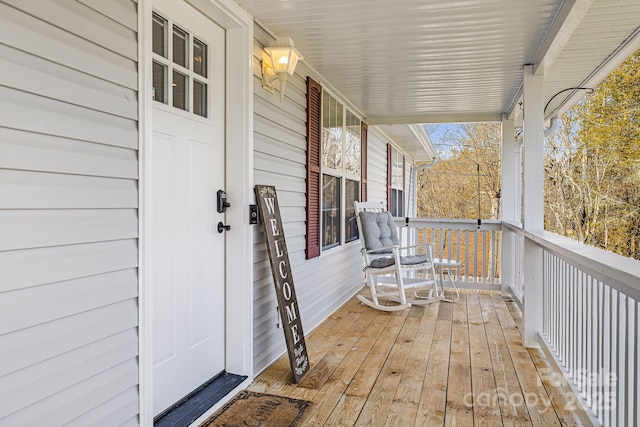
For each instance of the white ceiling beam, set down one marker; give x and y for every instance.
(436, 118)
(564, 24)
(514, 108)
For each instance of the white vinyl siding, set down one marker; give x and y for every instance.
(377, 170)
(322, 284)
(68, 213)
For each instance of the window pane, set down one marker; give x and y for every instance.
(352, 195)
(159, 35)
(180, 48)
(159, 90)
(199, 98)
(330, 211)
(180, 90)
(397, 170)
(397, 203)
(352, 145)
(332, 122)
(394, 202)
(199, 57)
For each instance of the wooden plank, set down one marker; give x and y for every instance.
(334, 388)
(486, 408)
(401, 414)
(364, 380)
(346, 411)
(379, 402)
(563, 399)
(322, 343)
(433, 398)
(413, 375)
(536, 398)
(458, 410)
(359, 389)
(318, 376)
(507, 385)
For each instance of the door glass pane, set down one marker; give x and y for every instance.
(352, 195)
(159, 90)
(159, 35)
(180, 47)
(330, 211)
(180, 90)
(199, 98)
(199, 57)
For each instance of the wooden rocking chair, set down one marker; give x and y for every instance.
(390, 269)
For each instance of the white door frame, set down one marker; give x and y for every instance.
(239, 186)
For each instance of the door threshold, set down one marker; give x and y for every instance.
(191, 407)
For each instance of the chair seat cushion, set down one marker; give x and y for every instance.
(404, 260)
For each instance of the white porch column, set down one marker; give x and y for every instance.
(533, 202)
(508, 194)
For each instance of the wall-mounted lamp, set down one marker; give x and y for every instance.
(283, 58)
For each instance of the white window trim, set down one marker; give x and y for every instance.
(343, 175)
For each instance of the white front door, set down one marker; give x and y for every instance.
(188, 168)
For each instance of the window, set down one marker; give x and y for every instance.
(395, 182)
(179, 55)
(336, 170)
(341, 167)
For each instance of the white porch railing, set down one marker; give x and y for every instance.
(591, 326)
(478, 248)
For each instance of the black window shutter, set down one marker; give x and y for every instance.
(314, 135)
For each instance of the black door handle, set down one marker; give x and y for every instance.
(222, 227)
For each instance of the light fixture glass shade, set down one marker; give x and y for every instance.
(284, 56)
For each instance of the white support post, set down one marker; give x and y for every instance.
(507, 199)
(533, 203)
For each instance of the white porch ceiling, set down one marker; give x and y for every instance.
(441, 61)
(406, 60)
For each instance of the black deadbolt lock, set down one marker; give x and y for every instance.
(222, 228)
(222, 201)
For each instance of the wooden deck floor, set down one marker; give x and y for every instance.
(443, 364)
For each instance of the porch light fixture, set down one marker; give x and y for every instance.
(281, 64)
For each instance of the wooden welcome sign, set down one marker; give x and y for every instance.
(283, 280)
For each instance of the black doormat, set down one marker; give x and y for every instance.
(189, 409)
(259, 410)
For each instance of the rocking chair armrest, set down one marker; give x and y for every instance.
(377, 251)
(424, 245)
